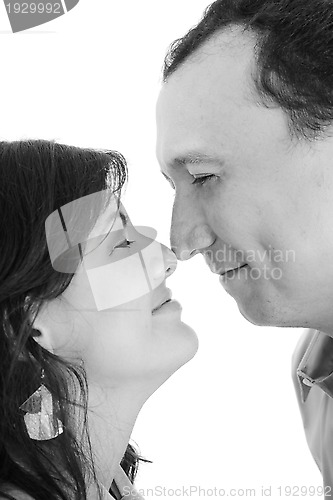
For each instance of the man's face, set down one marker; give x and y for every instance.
(267, 202)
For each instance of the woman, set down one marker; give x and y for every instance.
(88, 331)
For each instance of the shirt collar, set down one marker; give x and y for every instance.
(316, 366)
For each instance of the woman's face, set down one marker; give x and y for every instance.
(106, 317)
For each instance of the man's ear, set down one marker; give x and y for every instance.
(41, 332)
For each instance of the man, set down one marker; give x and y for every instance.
(245, 122)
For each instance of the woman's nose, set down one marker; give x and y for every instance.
(163, 264)
(170, 260)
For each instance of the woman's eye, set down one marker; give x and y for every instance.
(202, 179)
(171, 184)
(169, 181)
(123, 244)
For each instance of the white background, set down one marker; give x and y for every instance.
(228, 419)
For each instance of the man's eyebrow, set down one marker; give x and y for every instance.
(193, 158)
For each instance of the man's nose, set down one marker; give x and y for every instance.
(189, 233)
(199, 238)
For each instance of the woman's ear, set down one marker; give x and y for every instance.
(41, 332)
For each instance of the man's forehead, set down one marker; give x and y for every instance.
(226, 55)
(198, 101)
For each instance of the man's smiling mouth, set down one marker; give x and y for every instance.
(231, 270)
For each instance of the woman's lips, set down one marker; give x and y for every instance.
(161, 296)
(161, 305)
(168, 305)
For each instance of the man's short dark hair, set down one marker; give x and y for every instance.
(294, 55)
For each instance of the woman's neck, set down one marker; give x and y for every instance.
(111, 418)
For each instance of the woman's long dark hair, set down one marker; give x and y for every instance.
(36, 178)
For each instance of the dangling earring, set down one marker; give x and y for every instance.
(41, 420)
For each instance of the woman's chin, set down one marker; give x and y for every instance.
(184, 354)
(187, 343)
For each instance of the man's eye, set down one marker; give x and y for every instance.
(200, 180)
(123, 244)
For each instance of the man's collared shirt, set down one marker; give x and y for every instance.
(312, 374)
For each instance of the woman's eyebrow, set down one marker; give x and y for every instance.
(124, 218)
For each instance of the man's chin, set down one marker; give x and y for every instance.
(256, 319)
(259, 316)
(266, 318)
(261, 307)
